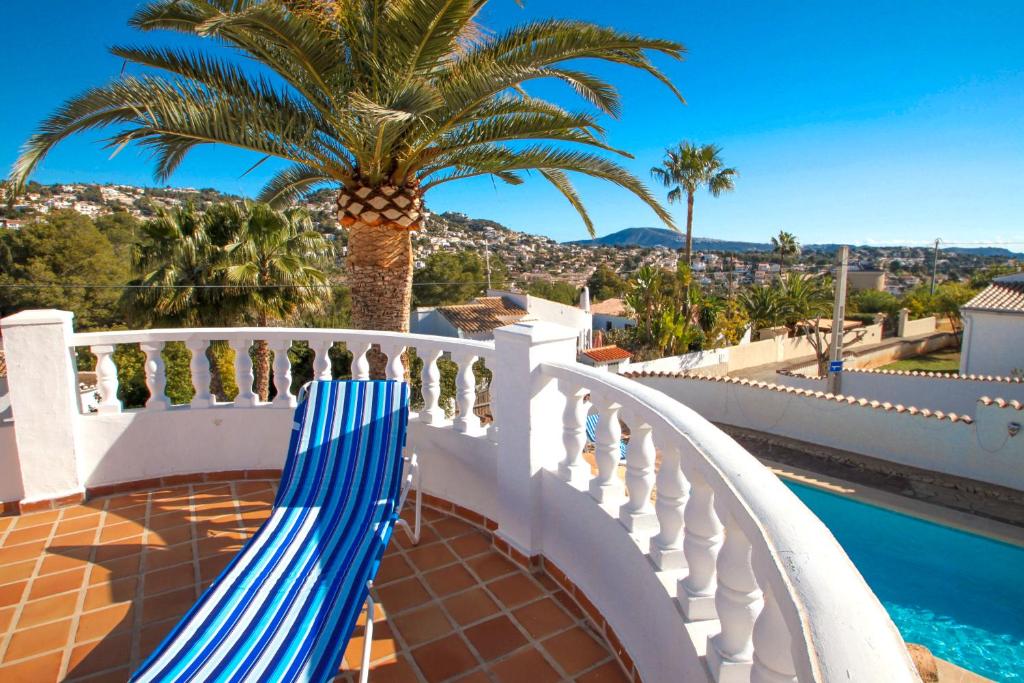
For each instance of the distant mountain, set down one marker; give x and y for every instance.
(662, 237)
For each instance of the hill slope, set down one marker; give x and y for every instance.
(662, 237)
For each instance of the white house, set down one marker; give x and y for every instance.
(611, 314)
(993, 341)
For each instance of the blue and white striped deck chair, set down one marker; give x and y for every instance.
(285, 607)
(592, 434)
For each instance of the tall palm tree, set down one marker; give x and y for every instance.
(382, 100)
(271, 268)
(687, 168)
(785, 244)
(763, 305)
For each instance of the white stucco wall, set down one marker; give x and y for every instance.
(430, 321)
(993, 343)
(10, 470)
(617, 322)
(981, 450)
(687, 361)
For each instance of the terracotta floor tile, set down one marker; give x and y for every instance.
(542, 618)
(470, 606)
(566, 601)
(37, 518)
(495, 637)
(77, 524)
(422, 625)
(448, 580)
(159, 558)
(430, 557)
(528, 666)
(61, 559)
(490, 566)
(475, 677)
(171, 536)
(28, 535)
(47, 609)
(122, 530)
(606, 673)
(35, 670)
(108, 653)
(575, 650)
(17, 571)
(38, 639)
(86, 537)
(163, 580)
(451, 527)
(111, 676)
(169, 520)
(20, 553)
(110, 593)
(99, 623)
(470, 545)
(52, 584)
(11, 593)
(6, 618)
(167, 605)
(383, 649)
(211, 567)
(427, 536)
(112, 570)
(397, 671)
(124, 547)
(402, 595)
(152, 634)
(516, 590)
(444, 658)
(392, 568)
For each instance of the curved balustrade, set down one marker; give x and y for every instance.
(791, 605)
(197, 340)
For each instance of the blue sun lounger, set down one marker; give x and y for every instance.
(285, 607)
(592, 434)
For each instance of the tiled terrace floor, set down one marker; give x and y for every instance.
(86, 592)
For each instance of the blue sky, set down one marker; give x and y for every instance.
(856, 122)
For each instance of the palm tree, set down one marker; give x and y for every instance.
(763, 305)
(271, 267)
(686, 169)
(384, 101)
(785, 245)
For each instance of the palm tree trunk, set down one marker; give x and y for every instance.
(262, 364)
(380, 278)
(689, 228)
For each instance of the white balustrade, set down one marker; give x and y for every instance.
(360, 360)
(637, 513)
(738, 603)
(395, 368)
(282, 374)
(200, 368)
(244, 375)
(666, 547)
(106, 379)
(322, 360)
(156, 376)
(433, 412)
(605, 487)
(574, 469)
(700, 546)
(773, 656)
(466, 421)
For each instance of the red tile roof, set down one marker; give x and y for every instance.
(607, 354)
(483, 314)
(609, 307)
(999, 296)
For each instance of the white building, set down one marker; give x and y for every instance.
(611, 314)
(993, 341)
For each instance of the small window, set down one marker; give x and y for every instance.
(608, 325)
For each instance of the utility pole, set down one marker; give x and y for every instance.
(935, 264)
(487, 261)
(835, 356)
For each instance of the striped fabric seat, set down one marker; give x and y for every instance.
(284, 609)
(592, 420)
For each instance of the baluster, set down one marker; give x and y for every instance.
(465, 393)
(244, 375)
(773, 654)
(106, 379)
(283, 373)
(200, 367)
(360, 363)
(156, 376)
(737, 601)
(701, 544)
(667, 547)
(433, 413)
(322, 361)
(637, 513)
(395, 368)
(574, 469)
(606, 487)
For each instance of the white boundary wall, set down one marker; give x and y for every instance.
(687, 362)
(948, 393)
(979, 449)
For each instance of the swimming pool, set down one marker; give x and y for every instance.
(958, 594)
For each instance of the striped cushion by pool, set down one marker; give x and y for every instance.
(592, 420)
(284, 609)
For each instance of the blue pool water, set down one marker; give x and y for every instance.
(958, 594)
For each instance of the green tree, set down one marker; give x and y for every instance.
(686, 169)
(785, 245)
(455, 278)
(555, 290)
(62, 261)
(605, 283)
(763, 306)
(122, 229)
(381, 105)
